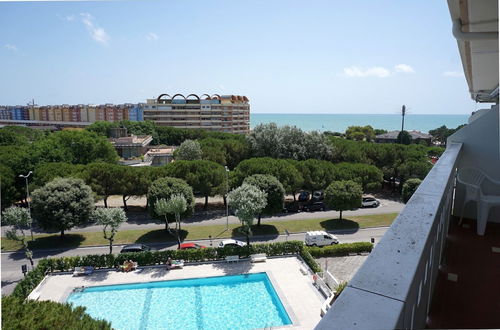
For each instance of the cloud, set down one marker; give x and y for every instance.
(152, 36)
(11, 47)
(97, 33)
(70, 18)
(376, 71)
(404, 68)
(454, 74)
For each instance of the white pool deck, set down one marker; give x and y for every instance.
(296, 291)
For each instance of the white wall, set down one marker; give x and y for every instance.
(481, 149)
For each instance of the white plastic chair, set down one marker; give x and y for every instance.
(473, 179)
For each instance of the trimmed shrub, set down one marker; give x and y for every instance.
(340, 250)
(309, 260)
(30, 314)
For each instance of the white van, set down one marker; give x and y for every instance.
(320, 238)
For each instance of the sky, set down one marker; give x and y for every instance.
(285, 56)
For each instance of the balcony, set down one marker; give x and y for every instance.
(427, 271)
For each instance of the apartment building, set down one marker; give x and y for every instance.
(224, 113)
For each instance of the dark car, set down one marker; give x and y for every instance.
(316, 206)
(136, 248)
(292, 208)
(304, 196)
(318, 196)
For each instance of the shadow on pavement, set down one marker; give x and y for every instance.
(41, 245)
(270, 231)
(234, 268)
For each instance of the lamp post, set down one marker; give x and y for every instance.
(28, 199)
(227, 202)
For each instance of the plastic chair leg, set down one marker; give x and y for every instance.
(482, 217)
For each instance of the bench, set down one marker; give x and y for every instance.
(258, 257)
(232, 258)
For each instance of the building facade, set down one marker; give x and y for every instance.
(224, 113)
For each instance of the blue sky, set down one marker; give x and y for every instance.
(285, 56)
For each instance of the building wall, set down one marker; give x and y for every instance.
(229, 114)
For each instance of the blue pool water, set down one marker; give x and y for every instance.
(226, 302)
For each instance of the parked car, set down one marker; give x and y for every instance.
(320, 238)
(369, 201)
(136, 248)
(231, 242)
(304, 196)
(292, 208)
(315, 206)
(191, 246)
(318, 196)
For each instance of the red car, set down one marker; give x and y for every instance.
(186, 246)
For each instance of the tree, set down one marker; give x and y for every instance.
(76, 147)
(205, 177)
(9, 193)
(62, 204)
(343, 195)
(317, 173)
(103, 178)
(273, 189)
(360, 133)
(111, 219)
(404, 137)
(166, 188)
(247, 201)
(19, 313)
(188, 150)
(283, 169)
(46, 172)
(176, 205)
(369, 176)
(20, 220)
(132, 181)
(409, 188)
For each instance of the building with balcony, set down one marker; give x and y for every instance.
(432, 268)
(223, 113)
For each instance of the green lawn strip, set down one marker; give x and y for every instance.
(45, 241)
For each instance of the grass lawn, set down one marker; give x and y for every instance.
(46, 241)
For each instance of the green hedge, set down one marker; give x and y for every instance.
(340, 249)
(30, 314)
(308, 254)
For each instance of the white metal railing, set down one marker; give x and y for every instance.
(393, 288)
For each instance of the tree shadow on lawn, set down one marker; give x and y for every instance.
(263, 230)
(162, 236)
(346, 225)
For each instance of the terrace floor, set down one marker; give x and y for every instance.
(467, 292)
(296, 291)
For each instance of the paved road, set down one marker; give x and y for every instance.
(12, 261)
(141, 220)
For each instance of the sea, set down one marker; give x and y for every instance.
(340, 122)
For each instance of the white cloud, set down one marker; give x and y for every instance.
(70, 18)
(376, 71)
(11, 47)
(152, 36)
(404, 68)
(97, 33)
(454, 74)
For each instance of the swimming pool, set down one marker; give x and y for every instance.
(245, 301)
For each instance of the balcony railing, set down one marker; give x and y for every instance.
(393, 288)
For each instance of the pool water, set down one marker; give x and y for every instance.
(246, 301)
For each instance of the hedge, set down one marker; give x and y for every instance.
(340, 250)
(30, 314)
(34, 277)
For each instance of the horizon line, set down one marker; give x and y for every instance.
(343, 113)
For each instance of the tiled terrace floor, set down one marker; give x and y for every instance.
(471, 299)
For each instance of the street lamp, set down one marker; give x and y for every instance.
(227, 203)
(28, 199)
